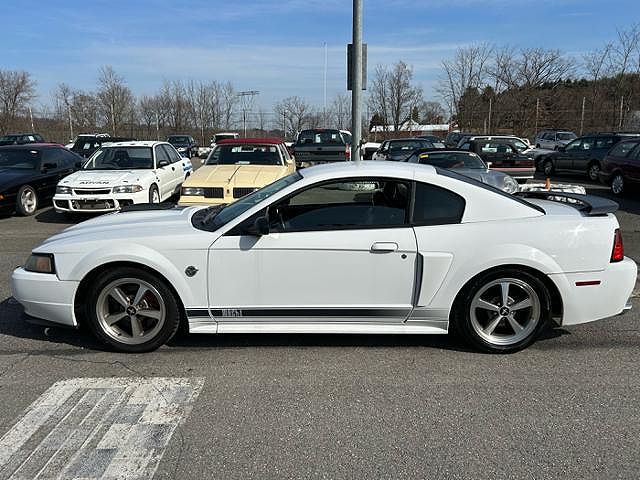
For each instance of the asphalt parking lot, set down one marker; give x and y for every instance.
(328, 406)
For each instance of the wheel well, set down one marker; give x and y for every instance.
(79, 301)
(593, 161)
(554, 294)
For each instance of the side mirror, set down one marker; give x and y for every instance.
(49, 166)
(489, 164)
(163, 163)
(259, 228)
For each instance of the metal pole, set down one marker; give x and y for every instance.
(31, 116)
(356, 87)
(244, 122)
(324, 107)
(157, 127)
(537, 113)
(70, 122)
(284, 124)
(584, 99)
(489, 121)
(113, 121)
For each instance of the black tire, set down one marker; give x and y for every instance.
(467, 327)
(617, 184)
(171, 320)
(537, 145)
(593, 170)
(24, 208)
(547, 167)
(153, 190)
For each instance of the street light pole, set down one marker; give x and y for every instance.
(356, 87)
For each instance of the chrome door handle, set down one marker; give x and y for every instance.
(381, 247)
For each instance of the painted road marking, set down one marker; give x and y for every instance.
(97, 428)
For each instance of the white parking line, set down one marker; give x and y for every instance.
(97, 428)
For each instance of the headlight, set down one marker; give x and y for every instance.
(40, 263)
(127, 189)
(509, 185)
(193, 191)
(63, 190)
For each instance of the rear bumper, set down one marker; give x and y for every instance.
(44, 296)
(524, 173)
(587, 303)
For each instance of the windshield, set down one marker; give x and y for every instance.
(520, 145)
(408, 145)
(120, 158)
(20, 159)
(248, 154)
(450, 160)
(178, 140)
(320, 137)
(217, 218)
(567, 136)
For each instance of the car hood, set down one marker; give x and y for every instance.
(10, 176)
(235, 175)
(128, 227)
(97, 178)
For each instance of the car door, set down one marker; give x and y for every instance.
(564, 158)
(180, 164)
(337, 251)
(54, 167)
(165, 171)
(580, 157)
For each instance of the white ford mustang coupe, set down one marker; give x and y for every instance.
(369, 247)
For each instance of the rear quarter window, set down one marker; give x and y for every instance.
(436, 206)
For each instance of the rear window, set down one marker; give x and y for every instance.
(320, 137)
(622, 149)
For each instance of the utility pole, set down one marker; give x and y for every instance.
(70, 122)
(157, 127)
(324, 104)
(621, 107)
(537, 114)
(356, 86)
(246, 97)
(284, 124)
(489, 121)
(113, 121)
(584, 99)
(31, 116)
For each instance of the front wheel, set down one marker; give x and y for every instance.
(154, 195)
(27, 203)
(132, 311)
(502, 311)
(593, 171)
(617, 184)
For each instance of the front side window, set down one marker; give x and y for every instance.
(20, 159)
(343, 204)
(575, 145)
(172, 153)
(436, 206)
(120, 158)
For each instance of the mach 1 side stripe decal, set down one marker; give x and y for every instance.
(300, 312)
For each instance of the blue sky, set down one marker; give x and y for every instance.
(276, 46)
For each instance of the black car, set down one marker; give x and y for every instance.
(504, 154)
(86, 144)
(621, 166)
(453, 139)
(437, 141)
(29, 175)
(21, 138)
(398, 150)
(582, 155)
(185, 144)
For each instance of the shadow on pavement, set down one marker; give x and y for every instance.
(49, 215)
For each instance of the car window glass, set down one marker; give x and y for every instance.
(344, 204)
(466, 146)
(622, 149)
(173, 155)
(161, 155)
(588, 143)
(636, 152)
(436, 206)
(604, 142)
(575, 145)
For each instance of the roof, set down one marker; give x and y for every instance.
(134, 143)
(248, 141)
(367, 168)
(28, 146)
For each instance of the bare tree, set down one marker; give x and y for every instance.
(228, 103)
(431, 113)
(114, 99)
(295, 113)
(340, 111)
(175, 105)
(17, 89)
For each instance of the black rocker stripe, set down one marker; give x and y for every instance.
(301, 312)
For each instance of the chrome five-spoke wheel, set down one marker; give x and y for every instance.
(131, 311)
(505, 311)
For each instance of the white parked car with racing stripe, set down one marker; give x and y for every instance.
(121, 174)
(350, 247)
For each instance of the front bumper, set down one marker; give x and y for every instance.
(45, 296)
(97, 203)
(588, 303)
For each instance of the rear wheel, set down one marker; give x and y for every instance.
(27, 202)
(132, 310)
(593, 171)
(502, 311)
(617, 184)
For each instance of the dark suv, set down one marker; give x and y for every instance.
(21, 138)
(185, 144)
(582, 155)
(621, 165)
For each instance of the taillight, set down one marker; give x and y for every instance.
(347, 153)
(617, 254)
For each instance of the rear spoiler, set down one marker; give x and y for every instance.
(591, 205)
